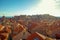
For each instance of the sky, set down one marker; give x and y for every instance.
(29, 7)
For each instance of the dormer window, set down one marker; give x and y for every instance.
(36, 39)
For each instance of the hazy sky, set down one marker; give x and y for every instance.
(29, 7)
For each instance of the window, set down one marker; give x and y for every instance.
(36, 38)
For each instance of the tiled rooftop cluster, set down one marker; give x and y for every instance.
(35, 27)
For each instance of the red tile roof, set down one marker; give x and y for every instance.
(4, 36)
(57, 36)
(17, 30)
(35, 36)
(1, 27)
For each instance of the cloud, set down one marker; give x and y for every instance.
(57, 3)
(45, 7)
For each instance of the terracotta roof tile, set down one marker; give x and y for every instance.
(1, 27)
(35, 36)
